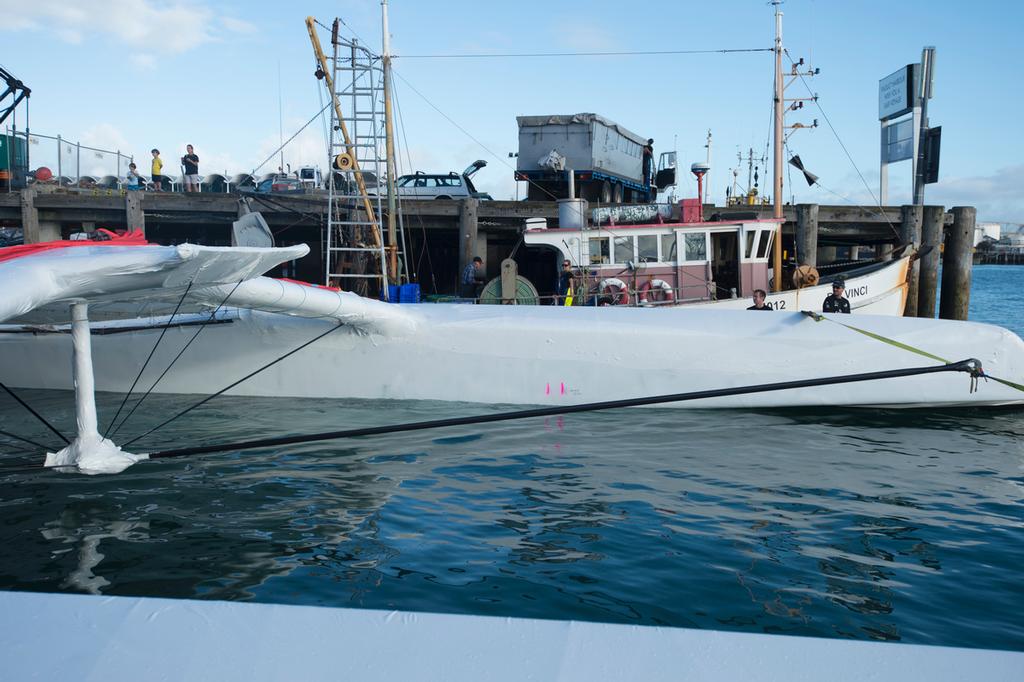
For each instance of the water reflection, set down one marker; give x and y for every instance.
(864, 524)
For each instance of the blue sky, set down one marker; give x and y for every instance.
(134, 74)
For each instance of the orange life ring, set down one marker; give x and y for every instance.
(616, 288)
(667, 294)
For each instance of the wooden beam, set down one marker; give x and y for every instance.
(931, 249)
(956, 265)
(910, 233)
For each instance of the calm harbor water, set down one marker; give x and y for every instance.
(883, 525)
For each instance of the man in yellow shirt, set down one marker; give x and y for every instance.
(158, 166)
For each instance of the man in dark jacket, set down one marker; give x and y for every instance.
(759, 304)
(836, 302)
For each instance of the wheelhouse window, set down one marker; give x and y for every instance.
(647, 248)
(762, 247)
(625, 250)
(748, 253)
(695, 246)
(668, 248)
(600, 250)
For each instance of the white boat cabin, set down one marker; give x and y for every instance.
(667, 262)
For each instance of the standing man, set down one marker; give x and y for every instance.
(565, 284)
(836, 302)
(472, 279)
(157, 168)
(759, 304)
(191, 163)
(648, 160)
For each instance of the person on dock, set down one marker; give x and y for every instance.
(133, 179)
(836, 302)
(473, 279)
(759, 303)
(190, 162)
(157, 168)
(565, 284)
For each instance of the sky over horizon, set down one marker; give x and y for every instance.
(135, 74)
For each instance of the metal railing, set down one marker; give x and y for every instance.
(72, 162)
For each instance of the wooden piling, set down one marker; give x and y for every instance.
(931, 249)
(135, 218)
(467, 231)
(956, 265)
(807, 234)
(910, 234)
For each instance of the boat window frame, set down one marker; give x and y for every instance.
(681, 254)
(657, 248)
(590, 254)
(615, 247)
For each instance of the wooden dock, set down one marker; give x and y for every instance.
(443, 235)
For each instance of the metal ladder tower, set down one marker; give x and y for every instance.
(356, 255)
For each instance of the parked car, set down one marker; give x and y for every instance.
(435, 186)
(278, 185)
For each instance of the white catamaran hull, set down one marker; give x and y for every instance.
(536, 355)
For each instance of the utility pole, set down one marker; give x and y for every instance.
(924, 94)
(389, 146)
(777, 190)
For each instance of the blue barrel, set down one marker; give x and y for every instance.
(410, 293)
(393, 294)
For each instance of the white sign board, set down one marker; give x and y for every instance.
(896, 92)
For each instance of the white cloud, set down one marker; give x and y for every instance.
(238, 25)
(163, 27)
(586, 37)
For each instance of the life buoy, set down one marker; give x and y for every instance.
(666, 292)
(616, 288)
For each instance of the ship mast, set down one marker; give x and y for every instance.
(389, 144)
(778, 139)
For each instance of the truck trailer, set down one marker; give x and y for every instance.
(606, 159)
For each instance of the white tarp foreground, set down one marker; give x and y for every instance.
(79, 637)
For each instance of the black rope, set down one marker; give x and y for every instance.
(227, 388)
(971, 366)
(150, 357)
(24, 440)
(34, 413)
(181, 352)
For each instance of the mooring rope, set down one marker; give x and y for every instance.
(818, 317)
(156, 345)
(34, 413)
(970, 366)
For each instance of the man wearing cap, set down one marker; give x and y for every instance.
(836, 302)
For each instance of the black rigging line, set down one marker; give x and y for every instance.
(24, 440)
(34, 413)
(229, 387)
(181, 352)
(150, 357)
(970, 366)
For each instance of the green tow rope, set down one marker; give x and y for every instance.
(817, 317)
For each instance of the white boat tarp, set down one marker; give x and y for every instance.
(86, 637)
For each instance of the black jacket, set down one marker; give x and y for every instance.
(835, 304)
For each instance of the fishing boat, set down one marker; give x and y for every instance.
(715, 264)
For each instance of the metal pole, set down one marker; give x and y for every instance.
(883, 168)
(78, 162)
(60, 149)
(389, 145)
(924, 93)
(777, 246)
